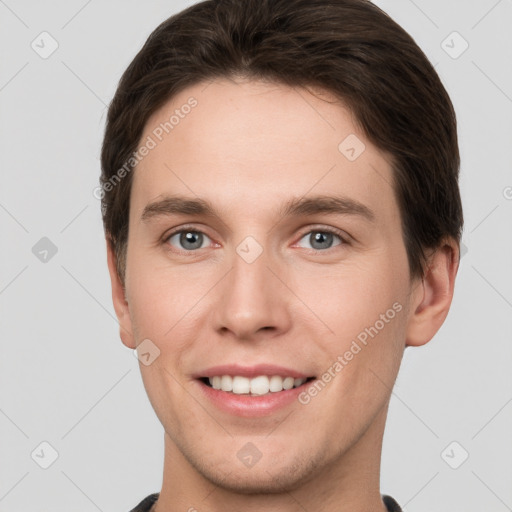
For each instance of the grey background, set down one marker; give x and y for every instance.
(66, 378)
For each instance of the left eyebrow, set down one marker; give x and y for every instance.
(326, 204)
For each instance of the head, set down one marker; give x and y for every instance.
(280, 187)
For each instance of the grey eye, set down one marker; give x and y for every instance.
(188, 240)
(319, 240)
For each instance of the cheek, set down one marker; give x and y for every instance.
(164, 300)
(351, 298)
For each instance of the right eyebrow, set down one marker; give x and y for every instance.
(177, 205)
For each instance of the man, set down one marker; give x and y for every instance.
(283, 218)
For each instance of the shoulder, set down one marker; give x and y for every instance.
(146, 503)
(391, 504)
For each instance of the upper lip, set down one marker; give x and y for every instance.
(250, 371)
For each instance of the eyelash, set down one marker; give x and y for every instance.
(341, 235)
(182, 229)
(333, 231)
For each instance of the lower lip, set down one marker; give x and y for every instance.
(251, 406)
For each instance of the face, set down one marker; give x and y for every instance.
(265, 258)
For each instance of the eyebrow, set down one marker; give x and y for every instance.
(297, 207)
(177, 205)
(326, 204)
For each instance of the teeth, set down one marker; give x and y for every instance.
(260, 385)
(276, 383)
(226, 383)
(216, 382)
(288, 382)
(241, 385)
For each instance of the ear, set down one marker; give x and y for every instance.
(119, 299)
(433, 294)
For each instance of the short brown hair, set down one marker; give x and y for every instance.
(349, 48)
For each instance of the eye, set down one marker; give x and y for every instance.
(189, 240)
(320, 240)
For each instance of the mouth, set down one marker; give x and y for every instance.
(259, 385)
(251, 391)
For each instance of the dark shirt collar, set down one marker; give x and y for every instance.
(148, 502)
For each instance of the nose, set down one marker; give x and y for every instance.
(253, 303)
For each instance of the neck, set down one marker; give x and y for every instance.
(349, 483)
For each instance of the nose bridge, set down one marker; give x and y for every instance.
(250, 273)
(251, 295)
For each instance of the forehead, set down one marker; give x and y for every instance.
(250, 146)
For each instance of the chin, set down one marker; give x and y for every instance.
(265, 477)
(256, 483)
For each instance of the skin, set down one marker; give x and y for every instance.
(247, 148)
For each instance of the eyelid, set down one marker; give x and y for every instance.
(179, 229)
(344, 237)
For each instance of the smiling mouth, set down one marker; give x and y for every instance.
(256, 386)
